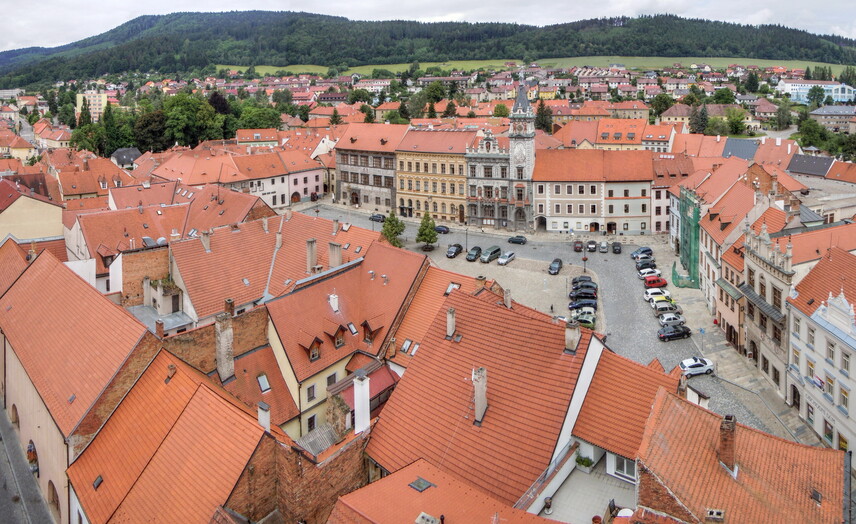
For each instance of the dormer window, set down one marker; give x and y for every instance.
(340, 338)
(315, 352)
(103, 184)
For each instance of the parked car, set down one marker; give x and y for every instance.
(581, 278)
(473, 254)
(660, 300)
(377, 217)
(646, 264)
(587, 320)
(655, 282)
(645, 250)
(454, 250)
(579, 304)
(585, 284)
(505, 258)
(666, 307)
(555, 266)
(696, 366)
(578, 245)
(667, 333)
(671, 319)
(583, 311)
(604, 247)
(518, 239)
(591, 246)
(648, 272)
(583, 294)
(441, 229)
(616, 248)
(655, 292)
(490, 254)
(643, 257)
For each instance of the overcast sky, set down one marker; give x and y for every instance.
(51, 23)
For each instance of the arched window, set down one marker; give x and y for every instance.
(33, 458)
(53, 501)
(401, 202)
(435, 207)
(452, 209)
(14, 415)
(443, 208)
(418, 205)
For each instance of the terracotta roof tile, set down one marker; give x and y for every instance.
(247, 388)
(593, 165)
(447, 495)
(381, 380)
(381, 138)
(774, 478)
(728, 213)
(576, 132)
(611, 419)
(812, 245)
(524, 357)
(13, 261)
(830, 276)
(844, 171)
(39, 316)
(699, 145)
(447, 142)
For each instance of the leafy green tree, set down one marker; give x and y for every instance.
(471, 114)
(359, 95)
(813, 134)
(451, 110)
(847, 147)
(90, 137)
(735, 117)
(259, 118)
(150, 132)
(432, 113)
(191, 119)
(426, 232)
(828, 101)
(716, 126)
(501, 111)
(752, 82)
(282, 98)
(783, 115)
(393, 227)
(114, 138)
(85, 117)
(544, 118)
(66, 116)
(815, 96)
(661, 103)
(335, 118)
(723, 96)
(435, 91)
(402, 111)
(848, 76)
(303, 113)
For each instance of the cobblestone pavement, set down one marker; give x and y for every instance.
(21, 501)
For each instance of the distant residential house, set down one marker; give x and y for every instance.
(836, 118)
(798, 89)
(125, 157)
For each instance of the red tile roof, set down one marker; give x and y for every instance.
(812, 245)
(248, 135)
(524, 357)
(381, 380)
(774, 479)
(11, 192)
(363, 299)
(576, 132)
(40, 317)
(245, 385)
(699, 145)
(832, 275)
(195, 168)
(620, 131)
(611, 419)
(593, 165)
(728, 213)
(844, 171)
(13, 261)
(446, 141)
(380, 138)
(448, 495)
(776, 153)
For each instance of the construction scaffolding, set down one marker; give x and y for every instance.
(689, 242)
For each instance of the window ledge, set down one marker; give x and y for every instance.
(828, 398)
(844, 372)
(843, 410)
(829, 361)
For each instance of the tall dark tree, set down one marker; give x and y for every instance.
(432, 113)
(451, 110)
(219, 103)
(150, 132)
(402, 111)
(807, 75)
(85, 117)
(752, 82)
(544, 118)
(335, 118)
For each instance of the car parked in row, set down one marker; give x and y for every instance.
(578, 245)
(585, 284)
(581, 278)
(654, 301)
(377, 217)
(518, 239)
(582, 303)
(696, 366)
(671, 319)
(583, 311)
(666, 307)
(616, 248)
(655, 282)
(642, 251)
(604, 247)
(454, 250)
(667, 333)
(580, 294)
(646, 264)
(587, 320)
(655, 292)
(555, 266)
(505, 258)
(591, 246)
(490, 254)
(648, 272)
(473, 254)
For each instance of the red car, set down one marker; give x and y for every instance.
(653, 281)
(578, 245)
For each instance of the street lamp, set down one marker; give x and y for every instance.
(585, 259)
(317, 210)
(467, 238)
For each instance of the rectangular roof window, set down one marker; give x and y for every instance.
(264, 385)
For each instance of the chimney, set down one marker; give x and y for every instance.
(278, 239)
(265, 224)
(717, 138)
(170, 371)
(334, 302)
(763, 140)
(506, 298)
(223, 338)
(726, 449)
(450, 323)
(481, 282)
(206, 241)
(572, 336)
(159, 328)
(335, 225)
(229, 307)
(288, 214)
(480, 392)
(335, 254)
(264, 416)
(362, 406)
(311, 255)
(174, 235)
(789, 148)
(778, 141)
(682, 386)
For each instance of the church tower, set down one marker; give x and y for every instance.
(521, 135)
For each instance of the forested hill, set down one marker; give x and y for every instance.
(184, 42)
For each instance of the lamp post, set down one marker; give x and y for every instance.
(467, 238)
(317, 210)
(585, 259)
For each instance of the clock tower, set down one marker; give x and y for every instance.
(521, 135)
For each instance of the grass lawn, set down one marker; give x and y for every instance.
(630, 62)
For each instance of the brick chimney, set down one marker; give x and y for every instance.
(450, 323)
(278, 239)
(572, 336)
(264, 416)
(362, 405)
(265, 224)
(726, 449)
(506, 297)
(335, 226)
(174, 235)
(481, 282)
(206, 241)
(335, 254)
(480, 393)
(229, 307)
(223, 339)
(159, 328)
(311, 255)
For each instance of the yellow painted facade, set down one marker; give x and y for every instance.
(30, 218)
(431, 181)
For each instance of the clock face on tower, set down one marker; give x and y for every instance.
(519, 155)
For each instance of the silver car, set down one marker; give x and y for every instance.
(671, 319)
(506, 257)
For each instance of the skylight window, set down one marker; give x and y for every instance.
(346, 246)
(415, 349)
(352, 328)
(406, 346)
(264, 385)
(359, 248)
(452, 286)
